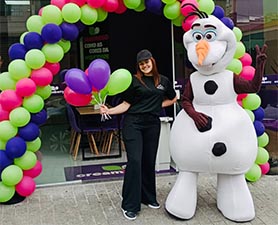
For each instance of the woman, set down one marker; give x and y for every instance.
(142, 102)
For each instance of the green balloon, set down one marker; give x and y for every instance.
(66, 45)
(18, 69)
(251, 102)
(44, 92)
(6, 192)
(206, 6)
(53, 52)
(27, 161)
(52, 14)
(6, 82)
(168, 1)
(71, 12)
(102, 14)
(263, 140)
(33, 103)
(235, 66)
(19, 117)
(88, 15)
(119, 81)
(237, 33)
(3, 144)
(11, 175)
(34, 145)
(250, 114)
(240, 50)
(35, 59)
(141, 7)
(8, 130)
(254, 173)
(262, 156)
(35, 24)
(178, 21)
(172, 11)
(21, 38)
(132, 4)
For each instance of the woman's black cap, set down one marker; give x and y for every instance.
(143, 55)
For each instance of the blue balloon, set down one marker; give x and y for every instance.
(4, 160)
(33, 40)
(259, 127)
(70, 31)
(17, 51)
(154, 6)
(218, 12)
(228, 22)
(29, 132)
(15, 147)
(51, 33)
(81, 26)
(39, 118)
(259, 114)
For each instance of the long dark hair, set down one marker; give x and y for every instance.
(156, 75)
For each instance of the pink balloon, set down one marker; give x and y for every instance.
(265, 168)
(35, 171)
(188, 8)
(95, 3)
(26, 186)
(4, 115)
(42, 76)
(76, 99)
(78, 2)
(40, 11)
(246, 59)
(58, 3)
(53, 67)
(247, 72)
(186, 24)
(239, 102)
(10, 100)
(241, 96)
(110, 5)
(121, 8)
(25, 87)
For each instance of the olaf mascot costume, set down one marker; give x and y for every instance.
(227, 144)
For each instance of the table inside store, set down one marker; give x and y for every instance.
(103, 130)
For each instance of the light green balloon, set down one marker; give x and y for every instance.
(21, 38)
(251, 101)
(71, 12)
(27, 161)
(35, 24)
(141, 7)
(11, 175)
(172, 11)
(262, 156)
(102, 14)
(206, 6)
(3, 144)
(33, 103)
(119, 81)
(19, 117)
(178, 21)
(18, 69)
(235, 66)
(52, 14)
(34, 146)
(88, 15)
(66, 45)
(6, 192)
(44, 92)
(254, 173)
(53, 52)
(6, 82)
(35, 59)
(237, 33)
(8, 130)
(263, 140)
(240, 50)
(168, 1)
(250, 114)
(132, 4)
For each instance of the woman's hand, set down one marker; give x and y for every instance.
(103, 109)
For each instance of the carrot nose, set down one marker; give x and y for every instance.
(202, 49)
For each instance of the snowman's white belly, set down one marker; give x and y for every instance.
(192, 150)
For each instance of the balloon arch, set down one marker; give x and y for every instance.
(35, 60)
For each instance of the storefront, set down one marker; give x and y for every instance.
(117, 39)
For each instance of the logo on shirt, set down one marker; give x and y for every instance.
(160, 87)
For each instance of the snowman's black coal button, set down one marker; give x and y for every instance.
(210, 87)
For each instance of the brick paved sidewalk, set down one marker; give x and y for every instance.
(99, 203)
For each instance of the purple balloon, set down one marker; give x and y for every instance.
(99, 73)
(4, 160)
(78, 81)
(39, 118)
(51, 33)
(154, 6)
(228, 22)
(81, 26)
(259, 113)
(259, 127)
(33, 40)
(218, 12)
(29, 132)
(15, 147)
(70, 31)
(17, 51)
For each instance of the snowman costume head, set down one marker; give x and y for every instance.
(228, 147)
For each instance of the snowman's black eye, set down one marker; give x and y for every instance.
(197, 36)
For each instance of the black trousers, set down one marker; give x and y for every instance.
(141, 138)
